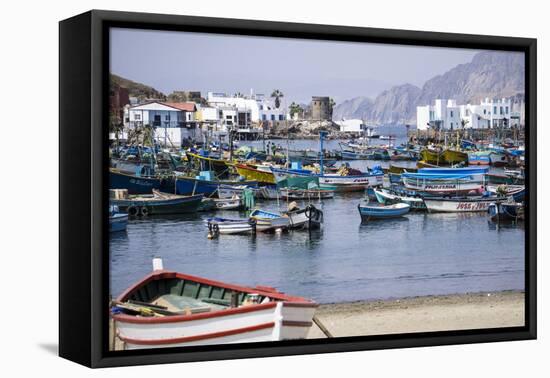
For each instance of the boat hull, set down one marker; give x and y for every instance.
(190, 185)
(442, 187)
(306, 194)
(253, 174)
(266, 221)
(385, 198)
(505, 212)
(382, 212)
(431, 157)
(462, 205)
(118, 222)
(230, 226)
(340, 183)
(157, 206)
(308, 218)
(454, 157)
(139, 185)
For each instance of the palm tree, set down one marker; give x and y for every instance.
(295, 108)
(238, 94)
(115, 126)
(277, 94)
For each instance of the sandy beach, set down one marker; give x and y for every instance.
(422, 314)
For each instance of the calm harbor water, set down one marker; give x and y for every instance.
(420, 254)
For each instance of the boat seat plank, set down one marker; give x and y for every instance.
(179, 304)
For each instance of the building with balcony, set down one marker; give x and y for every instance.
(172, 121)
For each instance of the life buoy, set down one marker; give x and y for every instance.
(133, 211)
(144, 211)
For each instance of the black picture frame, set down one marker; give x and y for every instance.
(83, 196)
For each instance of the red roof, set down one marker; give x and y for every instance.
(185, 106)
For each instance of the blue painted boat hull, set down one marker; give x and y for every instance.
(504, 211)
(118, 222)
(189, 185)
(139, 185)
(381, 212)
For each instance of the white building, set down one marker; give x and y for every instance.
(351, 125)
(446, 114)
(260, 108)
(172, 122)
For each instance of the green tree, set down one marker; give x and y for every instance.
(277, 94)
(295, 108)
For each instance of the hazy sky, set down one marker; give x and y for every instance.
(171, 61)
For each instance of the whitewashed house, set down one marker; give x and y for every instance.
(351, 125)
(446, 114)
(260, 108)
(173, 122)
(443, 115)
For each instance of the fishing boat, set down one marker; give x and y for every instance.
(505, 211)
(478, 158)
(226, 226)
(380, 154)
(117, 221)
(341, 181)
(506, 190)
(269, 192)
(309, 217)
(193, 185)
(496, 178)
(234, 203)
(354, 155)
(306, 194)
(498, 157)
(452, 157)
(445, 181)
(305, 188)
(371, 212)
(460, 204)
(397, 155)
(446, 157)
(171, 309)
(268, 221)
(253, 173)
(441, 184)
(229, 191)
(139, 184)
(157, 203)
(388, 197)
(207, 163)
(431, 156)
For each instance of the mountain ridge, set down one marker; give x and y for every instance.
(490, 74)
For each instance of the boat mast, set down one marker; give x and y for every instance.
(287, 137)
(321, 135)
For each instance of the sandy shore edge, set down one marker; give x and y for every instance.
(422, 314)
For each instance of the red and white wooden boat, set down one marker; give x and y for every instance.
(170, 309)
